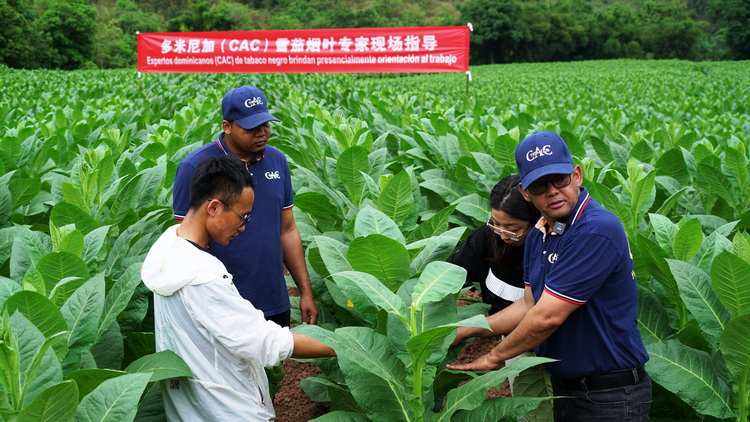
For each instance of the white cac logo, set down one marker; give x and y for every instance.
(552, 258)
(270, 175)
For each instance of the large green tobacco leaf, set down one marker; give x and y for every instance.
(8, 288)
(365, 292)
(471, 395)
(690, 374)
(712, 245)
(653, 320)
(433, 226)
(664, 231)
(349, 168)
(95, 248)
(442, 184)
(57, 403)
(342, 416)
(713, 183)
(161, 365)
(115, 400)
(83, 312)
(374, 375)
(88, 379)
(333, 254)
(421, 346)
(41, 312)
(39, 367)
(735, 346)
(730, 275)
(438, 280)
(380, 256)
(118, 297)
(56, 266)
(505, 409)
(23, 190)
(334, 394)
(370, 221)
(396, 199)
(436, 248)
(64, 213)
(316, 205)
(737, 164)
(672, 163)
(700, 299)
(28, 248)
(149, 186)
(688, 239)
(473, 206)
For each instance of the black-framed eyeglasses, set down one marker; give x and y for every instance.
(515, 237)
(558, 181)
(245, 217)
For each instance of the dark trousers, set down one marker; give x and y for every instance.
(592, 401)
(284, 319)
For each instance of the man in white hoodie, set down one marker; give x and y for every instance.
(199, 314)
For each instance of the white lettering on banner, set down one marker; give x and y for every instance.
(532, 155)
(395, 43)
(244, 45)
(270, 175)
(207, 46)
(166, 46)
(252, 102)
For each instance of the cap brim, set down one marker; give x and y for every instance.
(256, 120)
(554, 168)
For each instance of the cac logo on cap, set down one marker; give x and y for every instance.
(533, 154)
(252, 102)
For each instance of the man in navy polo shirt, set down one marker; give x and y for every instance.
(580, 297)
(256, 258)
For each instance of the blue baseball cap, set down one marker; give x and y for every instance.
(246, 106)
(541, 154)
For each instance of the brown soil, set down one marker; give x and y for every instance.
(293, 405)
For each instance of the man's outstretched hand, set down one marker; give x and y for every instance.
(484, 363)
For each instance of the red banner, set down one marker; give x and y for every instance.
(361, 50)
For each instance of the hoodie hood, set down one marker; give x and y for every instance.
(173, 263)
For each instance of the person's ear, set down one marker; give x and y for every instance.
(212, 208)
(227, 127)
(578, 176)
(524, 193)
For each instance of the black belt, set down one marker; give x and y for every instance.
(603, 380)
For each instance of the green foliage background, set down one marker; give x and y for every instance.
(75, 34)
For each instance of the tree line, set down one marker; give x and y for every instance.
(80, 34)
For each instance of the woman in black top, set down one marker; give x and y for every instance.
(493, 253)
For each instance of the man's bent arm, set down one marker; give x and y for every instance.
(539, 323)
(502, 322)
(294, 260)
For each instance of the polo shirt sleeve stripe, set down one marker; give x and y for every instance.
(564, 297)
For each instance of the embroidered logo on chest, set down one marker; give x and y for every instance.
(271, 175)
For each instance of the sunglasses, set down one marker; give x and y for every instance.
(245, 217)
(515, 237)
(558, 181)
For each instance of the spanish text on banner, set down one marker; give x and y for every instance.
(360, 50)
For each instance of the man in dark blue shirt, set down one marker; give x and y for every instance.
(257, 257)
(580, 298)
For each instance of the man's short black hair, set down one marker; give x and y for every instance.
(223, 177)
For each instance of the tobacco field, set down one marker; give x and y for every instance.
(391, 173)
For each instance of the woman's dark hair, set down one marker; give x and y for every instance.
(506, 197)
(222, 177)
